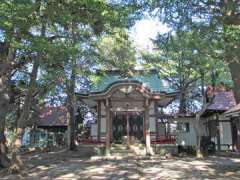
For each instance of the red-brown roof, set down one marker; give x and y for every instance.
(52, 116)
(223, 101)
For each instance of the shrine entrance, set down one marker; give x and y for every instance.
(127, 109)
(129, 125)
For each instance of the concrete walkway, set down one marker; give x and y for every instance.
(68, 165)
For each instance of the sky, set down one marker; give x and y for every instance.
(144, 30)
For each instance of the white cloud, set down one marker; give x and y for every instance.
(145, 30)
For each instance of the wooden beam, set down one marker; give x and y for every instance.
(126, 99)
(120, 109)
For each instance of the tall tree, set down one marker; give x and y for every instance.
(4, 105)
(80, 42)
(116, 51)
(181, 63)
(23, 44)
(219, 20)
(15, 22)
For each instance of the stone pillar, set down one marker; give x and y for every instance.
(149, 150)
(108, 133)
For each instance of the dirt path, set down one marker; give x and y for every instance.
(68, 165)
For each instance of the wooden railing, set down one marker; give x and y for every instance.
(90, 140)
(165, 139)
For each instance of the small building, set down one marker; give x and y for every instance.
(234, 115)
(129, 106)
(186, 136)
(50, 127)
(52, 118)
(217, 126)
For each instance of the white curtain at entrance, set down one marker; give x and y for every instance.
(152, 124)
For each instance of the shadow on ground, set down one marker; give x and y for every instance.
(72, 165)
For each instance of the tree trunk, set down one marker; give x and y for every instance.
(71, 127)
(4, 104)
(4, 161)
(199, 153)
(72, 107)
(202, 87)
(199, 130)
(71, 95)
(232, 46)
(235, 73)
(17, 164)
(183, 102)
(5, 71)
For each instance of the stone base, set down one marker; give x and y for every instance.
(87, 150)
(165, 149)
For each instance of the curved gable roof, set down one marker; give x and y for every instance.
(150, 80)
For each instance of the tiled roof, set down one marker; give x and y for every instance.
(223, 101)
(235, 109)
(150, 80)
(52, 116)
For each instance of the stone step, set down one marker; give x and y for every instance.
(120, 150)
(134, 150)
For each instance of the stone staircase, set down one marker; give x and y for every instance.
(121, 150)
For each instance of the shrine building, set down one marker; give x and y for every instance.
(128, 106)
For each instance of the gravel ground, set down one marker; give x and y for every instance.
(69, 165)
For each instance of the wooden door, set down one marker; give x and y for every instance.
(136, 127)
(119, 128)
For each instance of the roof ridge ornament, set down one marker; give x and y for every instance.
(127, 89)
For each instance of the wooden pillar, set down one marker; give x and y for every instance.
(99, 120)
(218, 134)
(108, 133)
(238, 134)
(147, 129)
(156, 119)
(111, 124)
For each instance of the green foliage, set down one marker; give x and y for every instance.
(64, 36)
(217, 22)
(215, 27)
(116, 51)
(184, 53)
(182, 59)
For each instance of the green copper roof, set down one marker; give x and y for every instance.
(150, 80)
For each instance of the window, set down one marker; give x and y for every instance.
(171, 128)
(184, 127)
